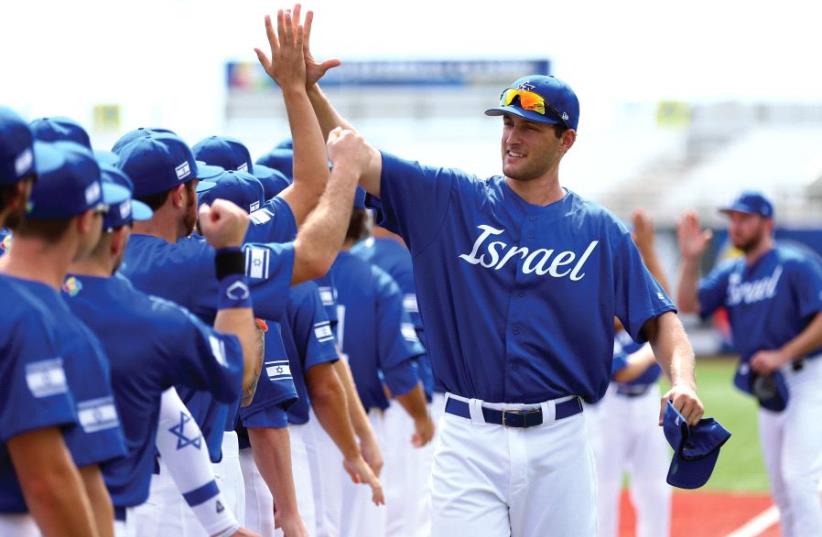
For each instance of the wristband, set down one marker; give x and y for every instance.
(234, 292)
(229, 261)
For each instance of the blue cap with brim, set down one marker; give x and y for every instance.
(126, 210)
(60, 129)
(228, 153)
(17, 158)
(750, 202)
(770, 390)
(281, 160)
(562, 105)
(157, 163)
(136, 134)
(108, 158)
(273, 181)
(696, 449)
(208, 172)
(238, 187)
(69, 189)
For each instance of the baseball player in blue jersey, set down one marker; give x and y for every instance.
(62, 224)
(39, 483)
(507, 270)
(164, 345)
(773, 296)
(407, 467)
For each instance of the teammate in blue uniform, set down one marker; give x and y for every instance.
(518, 282)
(62, 224)
(39, 483)
(165, 345)
(773, 295)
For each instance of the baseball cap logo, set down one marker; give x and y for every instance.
(243, 167)
(23, 162)
(125, 209)
(527, 86)
(93, 193)
(183, 170)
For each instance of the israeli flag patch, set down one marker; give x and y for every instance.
(260, 216)
(218, 350)
(323, 333)
(409, 332)
(409, 302)
(97, 415)
(326, 296)
(183, 171)
(46, 377)
(278, 370)
(257, 262)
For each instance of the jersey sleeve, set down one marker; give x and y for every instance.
(269, 267)
(639, 297)
(311, 327)
(806, 280)
(275, 387)
(199, 357)
(397, 341)
(713, 288)
(409, 190)
(273, 222)
(34, 393)
(328, 296)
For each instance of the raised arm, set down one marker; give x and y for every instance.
(692, 244)
(644, 238)
(288, 69)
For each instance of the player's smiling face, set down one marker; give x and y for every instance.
(529, 149)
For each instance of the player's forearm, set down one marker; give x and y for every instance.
(638, 362)
(651, 259)
(672, 349)
(321, 237)
(99, 499)
(51, 484)
(310, 170)
(356, 411)
(414, 403)
(686, 290)
(328, 118)
(331, 408)
(809, 340)
(272, 454)
(240, 323)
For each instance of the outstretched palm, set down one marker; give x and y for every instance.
(314, 70)
(692, 238)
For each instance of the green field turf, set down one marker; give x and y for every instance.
(740, 467)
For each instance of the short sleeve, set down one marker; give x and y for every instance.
(269, 268)
(328, 296)
(713, 289)
(200, 357)
(639, 297)
(413, 199)
(273, 222)
(271, 417)
(34, 392)
(275, 386)
(806, 279)
(311, 327)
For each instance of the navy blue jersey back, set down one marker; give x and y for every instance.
(369, 330)
(518, 299)
(34, 391)
(152, 344)
(769, 302)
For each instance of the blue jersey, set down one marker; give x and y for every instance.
(518, 299)
(273, 222)
(624, 346)
(769, 302)
(395, 259)
(152, 344)
(328, 296)
(184, 273)
(308, 340)
(369, 331)
(34, 392)
(98, 437)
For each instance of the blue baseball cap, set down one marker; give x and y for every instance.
(72, 187)
(228, 153)
(60, 129)
(750, 202)
(273, 181)
(279, 159)
(285, 143)
(108, 158)
(770, 390)
(696, 449)
(208, 172)
(17, 159)
(136, 134)
(239, 187)
(157, 162)
(128, 210)
(560, 103)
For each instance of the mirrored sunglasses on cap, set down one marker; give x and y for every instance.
(533, 102)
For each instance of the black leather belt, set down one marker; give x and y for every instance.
(530, 417)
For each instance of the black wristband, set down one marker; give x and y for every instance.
(229, 261)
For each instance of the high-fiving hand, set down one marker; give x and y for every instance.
(287, 65)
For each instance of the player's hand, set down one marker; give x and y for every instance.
(372, 454)
(766, 362)
(287, 64)
(423, 431)
(347, 148)
(223, 224)
(243, 532)
(291, 524)
(314, 70)
(693, 240)
(643, 233)
(360, 472)
(685, 400)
